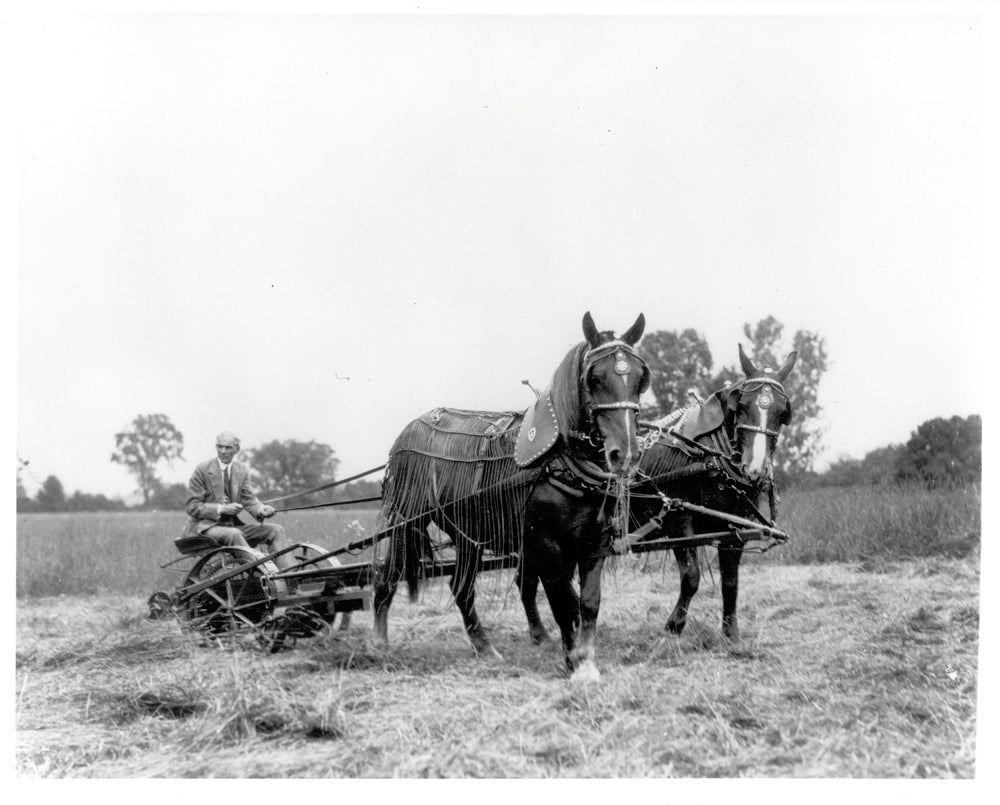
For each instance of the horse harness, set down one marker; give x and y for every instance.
(621, 367)
(717, 463)
(765, 401)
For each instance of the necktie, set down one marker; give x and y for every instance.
(226, 492)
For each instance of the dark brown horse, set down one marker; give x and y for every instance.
(486, 482)
(737, 429)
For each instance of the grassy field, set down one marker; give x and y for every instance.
(861, 668)
(83, 553)
(121, 552)
(843, 673)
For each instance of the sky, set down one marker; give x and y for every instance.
(320, 227)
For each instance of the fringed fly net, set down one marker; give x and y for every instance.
(452, 489)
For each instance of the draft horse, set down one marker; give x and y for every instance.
(718, 455)
(537, 484)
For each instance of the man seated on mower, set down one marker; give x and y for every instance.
(218, 491)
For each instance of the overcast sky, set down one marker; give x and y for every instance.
(321, 227)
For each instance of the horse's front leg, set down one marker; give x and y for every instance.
(690, 573)
(565, 606)
(581, 657)
(463, 588)
(527, 583)
(729, 571)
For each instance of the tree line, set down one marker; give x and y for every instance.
(940, 451)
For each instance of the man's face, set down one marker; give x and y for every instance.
(226, 449)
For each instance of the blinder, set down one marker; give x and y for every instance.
(621, 367)
(768, 386)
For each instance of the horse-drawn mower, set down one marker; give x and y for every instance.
(229, 592)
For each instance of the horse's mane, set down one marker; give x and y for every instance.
(565, 390)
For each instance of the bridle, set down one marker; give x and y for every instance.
(591, 436)
(622, 367)
(751, 385)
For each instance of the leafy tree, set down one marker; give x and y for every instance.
(149, 440)
(944, 451)
(51, 497)
(282, 468)
(679, 361)
(358, 490)
(84, 502)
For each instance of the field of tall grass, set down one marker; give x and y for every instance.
(859, 658)
(86, 553)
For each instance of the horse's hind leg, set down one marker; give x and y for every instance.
(463, 588)
(527, 583)
(386, 580)
(687, 564)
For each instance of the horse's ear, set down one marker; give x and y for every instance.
(787, 367)
(747, 365)
(634, 333)
(590, 329)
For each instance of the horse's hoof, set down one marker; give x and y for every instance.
(585, 673)
(675, 627)
(539, 636)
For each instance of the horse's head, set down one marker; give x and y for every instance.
(611, 378)
(755, 409)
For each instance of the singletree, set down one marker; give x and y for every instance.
(149, 440)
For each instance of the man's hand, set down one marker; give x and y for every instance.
(231, 509)
(265, 511)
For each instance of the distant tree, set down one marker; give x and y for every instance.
(358, 490)
(83, 502)
(677, 362)
(944, 451)
(282, 468)
(23, 502)
(149, 440)
(169, 498)
(877, 468)
(51, 497)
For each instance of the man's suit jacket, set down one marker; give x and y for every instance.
(205, 495)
